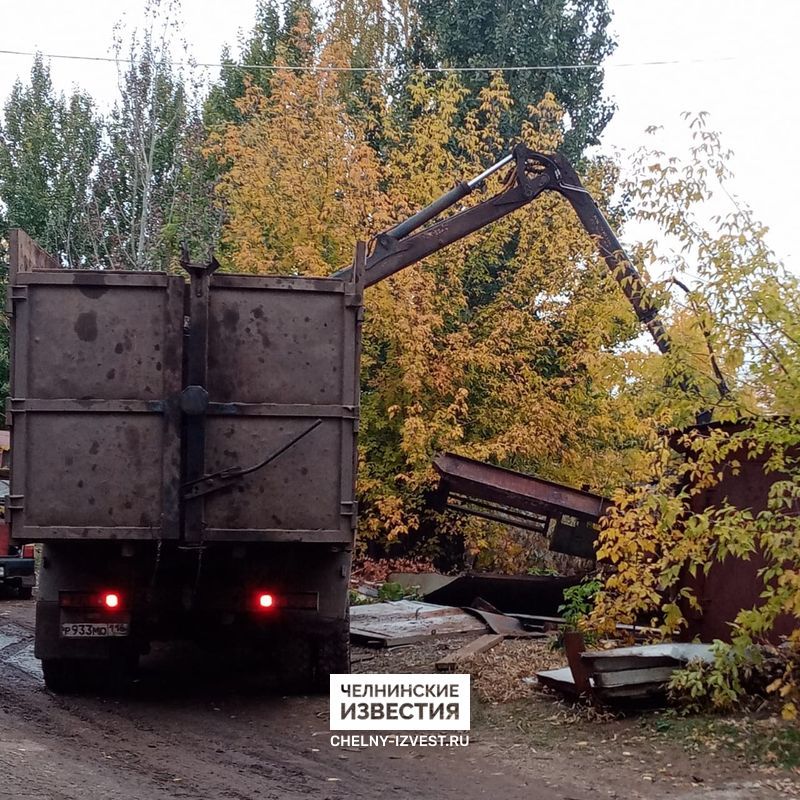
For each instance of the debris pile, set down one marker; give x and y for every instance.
(623, 673)
(513, 636)
(503, 673)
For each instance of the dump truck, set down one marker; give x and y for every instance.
(184, 445)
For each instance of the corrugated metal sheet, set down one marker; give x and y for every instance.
(407, 621)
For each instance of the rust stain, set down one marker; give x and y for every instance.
(86, 326)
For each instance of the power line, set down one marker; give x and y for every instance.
(305, 68)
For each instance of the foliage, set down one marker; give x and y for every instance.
(117, 191)
(148, 164)
(678, 522)
(270, 38)
(579, 601)
(378, 571)
(379, 32)
(541, 570)
(396, 591)
(48, 147)
(301, 182)
(719, 685)
(484, 33)
(357, 599)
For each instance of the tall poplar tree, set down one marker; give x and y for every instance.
(48, 147)
(524, 33)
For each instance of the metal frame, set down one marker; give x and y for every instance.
(483, 490)
(515, 489)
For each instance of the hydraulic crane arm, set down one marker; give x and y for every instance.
(533, 173)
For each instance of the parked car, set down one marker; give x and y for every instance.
(17, 566)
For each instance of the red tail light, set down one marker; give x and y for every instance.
(109, 601)
(28, 551)
(265, 601)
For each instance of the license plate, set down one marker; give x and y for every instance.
(93, 630)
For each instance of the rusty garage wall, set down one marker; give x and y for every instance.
(733, 584)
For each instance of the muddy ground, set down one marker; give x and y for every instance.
(198, 727)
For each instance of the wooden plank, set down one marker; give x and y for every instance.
(408, 621)
(377, 639)
(479, 645)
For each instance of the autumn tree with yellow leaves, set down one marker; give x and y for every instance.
(743, 305)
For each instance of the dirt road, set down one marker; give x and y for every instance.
(195, 729)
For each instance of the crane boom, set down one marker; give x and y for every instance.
(533, 173)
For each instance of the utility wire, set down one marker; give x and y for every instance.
(305, 68)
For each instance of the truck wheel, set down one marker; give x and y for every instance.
(296, 665)
(333, 655)
(64, 675)
(88, 675)
(306, 663)
(25, 592)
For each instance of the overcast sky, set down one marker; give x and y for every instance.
(737, 61)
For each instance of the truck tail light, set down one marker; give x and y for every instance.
(27, 551)
(265, 601)
(108, 601)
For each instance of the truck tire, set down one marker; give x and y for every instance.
(333, 655)
(306, 663)
(25, 592)
(64, 675)
(88, 675)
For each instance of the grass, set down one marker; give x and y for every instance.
(756, 740)
(764, 740)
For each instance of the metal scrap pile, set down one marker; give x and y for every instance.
(623, 673)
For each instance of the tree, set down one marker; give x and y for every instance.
(538, 33)
(301, 182)
(376, 34)
(743, 303)
(48, 147)
(151, 181)
(270, 38)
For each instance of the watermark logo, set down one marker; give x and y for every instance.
(399, 702)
